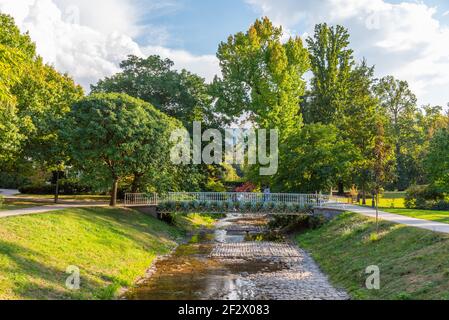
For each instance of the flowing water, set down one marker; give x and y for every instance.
(221, 265)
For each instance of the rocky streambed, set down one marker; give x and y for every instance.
(221, 265)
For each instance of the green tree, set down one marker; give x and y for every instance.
(331, 65)
(182, 95)
(112, 134)
(262, 78)
(399, 103)
(316, 160)
(437, 160)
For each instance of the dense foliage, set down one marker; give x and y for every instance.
(346, 130)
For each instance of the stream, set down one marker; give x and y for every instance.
(221, 264)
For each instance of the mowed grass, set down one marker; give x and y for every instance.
(413, 262)
(432, 215)
(111, 247)
(14, 205)
(88, 197)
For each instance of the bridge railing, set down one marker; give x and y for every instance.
(317, 200)
(141, 199)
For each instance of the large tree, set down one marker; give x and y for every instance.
(262, 77)
(114, 137)
(314, 160)
(182, 95)
(399, 103)
(37, 98)
(331, 64)
(437, 160)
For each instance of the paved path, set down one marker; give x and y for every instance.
(42, 209)
(412, 222)
(8, 192)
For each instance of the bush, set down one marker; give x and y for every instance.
(1, 201)
(66, 187)
(12, 180)
(426, 197)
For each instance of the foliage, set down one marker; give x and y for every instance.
(66, 187)
(331, 62)
(37, 98)
(437, 160)
(246, 187)
(399, 104)
(426, 197)
(314, 160)
(111, 136)
(262, 77)
(181, 95)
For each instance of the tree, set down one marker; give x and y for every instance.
(399, 103)
(381, 165)
(331, 63)
(16, 50)
(262, 78)
(37, 98)
(116, 136)
(437, 160)
(357, 124)
(317, 159)
(181, 95)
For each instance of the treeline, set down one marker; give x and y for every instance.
(345, 130)
(348, 130)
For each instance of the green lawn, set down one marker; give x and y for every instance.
(13, 205)
(432, 215)
(387, 202)
(82, 197)
(111, 247)
(413, 262)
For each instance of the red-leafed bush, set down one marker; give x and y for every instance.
(246, 187)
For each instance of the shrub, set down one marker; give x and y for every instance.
(66, 187)
(185, 206)
(425, 197)
(1, 201)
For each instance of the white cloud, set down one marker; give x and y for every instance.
(89, 39)
(403, 39)
(205, 65)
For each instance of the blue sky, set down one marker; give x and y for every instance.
(88, 39)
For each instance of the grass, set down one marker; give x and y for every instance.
(389, 199)
(111, 247)
(67, 197)
(13, 205)
(432, 215)
(412, 262)
(195, 221)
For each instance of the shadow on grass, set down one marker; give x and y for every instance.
(33, 279)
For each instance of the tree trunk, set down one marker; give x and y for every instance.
(363, 197)
(113, 202)
(57, 187)
(341, 189)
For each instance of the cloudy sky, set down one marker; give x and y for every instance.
(88, 38)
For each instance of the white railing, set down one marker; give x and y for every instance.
(141, 199)
(316, 200)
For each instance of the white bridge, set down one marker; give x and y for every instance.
(229, 201)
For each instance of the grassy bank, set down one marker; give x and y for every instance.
(413, 262)
(432, 215)
(111, 247)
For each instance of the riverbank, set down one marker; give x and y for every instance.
(111, 247)
(412, 261)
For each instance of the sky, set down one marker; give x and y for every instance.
(89, 38)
